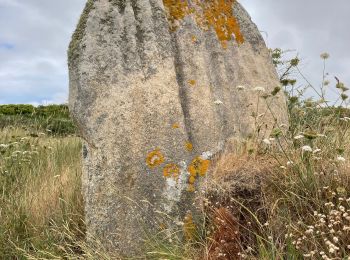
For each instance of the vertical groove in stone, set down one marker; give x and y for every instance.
(116, 52)
(212, 59)
(131, 59)
(178, 66)
(138, 33)
(145, 36)
(160, 26)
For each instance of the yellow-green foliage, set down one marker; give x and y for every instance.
(51, 119)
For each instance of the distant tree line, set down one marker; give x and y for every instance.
(52, 119)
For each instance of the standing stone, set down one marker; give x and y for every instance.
(157, 87)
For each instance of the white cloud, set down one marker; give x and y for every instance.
(309, 27)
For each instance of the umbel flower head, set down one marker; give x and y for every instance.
(324, 55)
(306, 148)
(259, 89)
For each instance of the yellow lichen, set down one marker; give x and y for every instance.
(189, 227)
(192, 82)
(189, 146)
(194, 39)
(171, 170)
(192, 180)
(216, 14)
(162, 226)
(176, 10)
(155, 158)
(198, 167)
(175, 126)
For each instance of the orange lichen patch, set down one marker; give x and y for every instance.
(192, 82)
(189, 227)
(216, 14)
(192, 180)
(175, 126)
(162, 226)
(198, 167)
(194, 39)
(155, 158)
(171, 170)
(176, 10)
(189, 146)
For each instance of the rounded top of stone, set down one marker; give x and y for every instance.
(218, 15)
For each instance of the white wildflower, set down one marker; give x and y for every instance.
(324, 55)
(218, 102)
(259, 89)
(267, 141)
(317, 150)
(290, 163)
(329, 204)
(298, 137)
(340, 159)
(309, 231)
(306, 148)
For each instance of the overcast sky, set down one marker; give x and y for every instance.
(34, 35)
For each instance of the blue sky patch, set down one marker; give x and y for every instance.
(6, 46)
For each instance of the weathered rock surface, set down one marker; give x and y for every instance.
(154, 90)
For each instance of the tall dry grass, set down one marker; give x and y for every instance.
(40, 189)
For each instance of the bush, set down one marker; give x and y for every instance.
(53, 119)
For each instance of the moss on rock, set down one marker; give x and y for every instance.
(79, 32)
(121, 4)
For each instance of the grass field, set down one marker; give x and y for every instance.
(39, 192)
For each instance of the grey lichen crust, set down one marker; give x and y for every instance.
(79, 32)
(155, 98)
